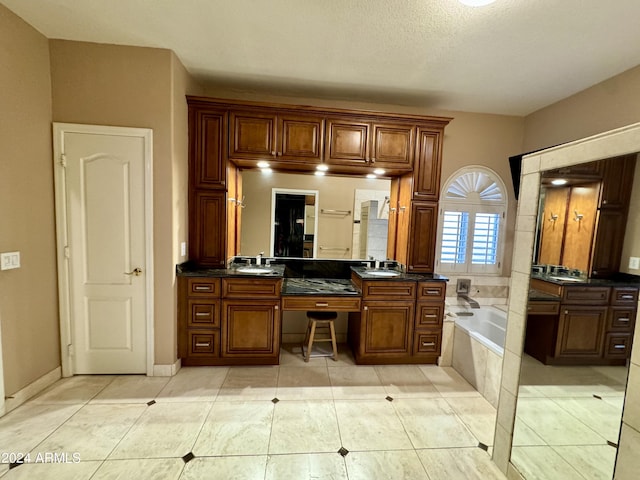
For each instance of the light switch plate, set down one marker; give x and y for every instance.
(9, 260)
(634, 263)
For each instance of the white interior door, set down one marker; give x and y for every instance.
(105, 250)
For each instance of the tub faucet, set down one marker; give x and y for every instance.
(471, 301)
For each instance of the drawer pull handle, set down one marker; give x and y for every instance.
(433, 292)
(626, 297)
(623, 319)
(619, 347)
(205, 287)
(428, 344)
(325, 304)
(202, 344)
(430, 316)
(202, 314)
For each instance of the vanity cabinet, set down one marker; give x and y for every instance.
(275, 136)
(250, 321)
(356, 142)
(427, 336)
(198, 320)
(589, 325)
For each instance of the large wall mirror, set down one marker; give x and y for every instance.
(568, 418)
(278, 211)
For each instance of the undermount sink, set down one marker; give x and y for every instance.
(382, 273)
(567, 279)
(254, 270)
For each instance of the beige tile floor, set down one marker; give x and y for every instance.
(286, 422)
(565, 419)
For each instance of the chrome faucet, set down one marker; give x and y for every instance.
(471, 301)
(259, 258)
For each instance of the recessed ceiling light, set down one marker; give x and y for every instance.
(319, 173)
(379, 171)
(558, 181)
(322, 168)
(371, 175)
(263, 164)
(476, 3)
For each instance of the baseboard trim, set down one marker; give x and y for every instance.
(167, 370)
(31, 390)
(513, 473)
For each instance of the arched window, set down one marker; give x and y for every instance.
(471, 222)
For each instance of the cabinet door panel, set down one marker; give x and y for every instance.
(208, 131)
(427, 343)
(427, 165)
(422, 237)
(617, 181)
(429, 315)
(300, 138)
(250, 328)
(608, 242)
(207, 229)
(348, 142)
(203, 313)
(617, 345)
(252, 135)
(204, 343)
(393, 146)
(387, 327)
(581, 332)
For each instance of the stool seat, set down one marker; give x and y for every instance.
(320, 321)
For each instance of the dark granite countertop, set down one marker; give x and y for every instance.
(365, 274)
(319, 286)
(191, 270)
(618, 280)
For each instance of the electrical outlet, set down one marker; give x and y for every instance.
(183, 249)
(9, 260)
(634, 263)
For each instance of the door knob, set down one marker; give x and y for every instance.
(136, 271)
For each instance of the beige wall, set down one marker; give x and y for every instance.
(135, 87)
(28, 296)
(470, 139)
(334, 193)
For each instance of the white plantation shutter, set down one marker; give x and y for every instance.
(471, 223)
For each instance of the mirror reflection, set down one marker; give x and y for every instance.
(575, 363)
(338, 205)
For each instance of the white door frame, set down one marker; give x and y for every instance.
(293, 191)
(62, 230)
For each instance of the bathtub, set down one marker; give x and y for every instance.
(478, 347)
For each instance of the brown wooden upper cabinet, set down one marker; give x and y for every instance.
(426, 184)
(275, 137)
(208, 133)
(362, 143)
(617, 181)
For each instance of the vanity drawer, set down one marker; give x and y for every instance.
(333, 304)
(432, 291)
(429, 315)
(621, 318)
(251, 287)
(427, 343)
(377, 289)
(586, 295)
(203, 287)
(204, 313)
(624, 296)
(205, 343)
(617, 345)
(543, 308)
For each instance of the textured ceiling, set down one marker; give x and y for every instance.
(512, 57)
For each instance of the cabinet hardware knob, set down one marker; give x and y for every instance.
(566, 312)
(604, 202)
(403, 208)
(202, 314)
(392, 209)
(276, 307)
(279, 154)
(623, 319)
(431, 316)
(205, 287)
(325, 304)
(202, 344)
(428, 344)
(619, 347)
(273, 153)
(366, 308)
(373, 160)
(433, 292)
(626, 297)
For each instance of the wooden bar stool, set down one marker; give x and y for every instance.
(323, 322)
